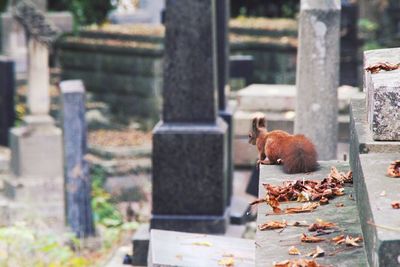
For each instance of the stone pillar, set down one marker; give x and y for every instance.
(189, 144)
(318, 74)
(222, 20)
(78, 189)
(38, 78)
(7, 87)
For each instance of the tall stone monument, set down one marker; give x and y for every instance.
(37, 160)
(7, 89)
(317, 77)
(189, 144)
(222, 20)
(78, 183)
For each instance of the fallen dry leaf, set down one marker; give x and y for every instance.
(297, 263)
(294, 251)
(338, 239)
(311, 239)
(317, 252)
(341, 177)
(272, 225)
(321, 225)
(202, 243)
(350, 241)
(395, 205)
(228, 262)
(375, 68)
(394, 169)
(308, 207)
(323, 201)
(339, 205)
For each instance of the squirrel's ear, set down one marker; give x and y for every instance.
(261, 122)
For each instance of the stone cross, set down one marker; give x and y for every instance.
(40, 34)
(78, 189)
(317, 76)
(7, 88)
(189, 144)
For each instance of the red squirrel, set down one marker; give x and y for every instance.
(295, 152)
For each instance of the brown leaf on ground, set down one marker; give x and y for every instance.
(323, 201)
(338, 239)
(394, 169)
(294, 251)
(339, 205)
(396, 204)
(321, 225)
(311, 239)
(308, 207)
(353, 242)
(257, 201)
(228, 262)
(272, 225)
(386, 66)
(317, 252)
(340, 177)
(297, 263)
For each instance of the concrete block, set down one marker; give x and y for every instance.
(38, 189)
(187, 249)
(37, 151)
(140, 242)
(282, 97)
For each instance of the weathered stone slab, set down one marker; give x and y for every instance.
(282, 97)
(384, 105)
(187, 249)
(379, 221)
(273, 245)
(371, 57)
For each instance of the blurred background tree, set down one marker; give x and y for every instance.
(85, 12)
(265, 8)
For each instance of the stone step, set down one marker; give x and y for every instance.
(380, 222)
(121, 166)
(282, 97)
(169, 248)
(120, 152)
(272, 246)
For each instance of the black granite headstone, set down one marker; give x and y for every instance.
(190, 143)
(7, 88)
(78, 184)
(222, 23)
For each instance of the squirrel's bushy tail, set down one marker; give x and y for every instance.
(299, 155)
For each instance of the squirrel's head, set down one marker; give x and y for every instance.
(258, 124)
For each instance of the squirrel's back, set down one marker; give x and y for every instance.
(298, 155)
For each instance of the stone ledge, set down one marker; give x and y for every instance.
(375, 191)
(361, 136)
(274, 245)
